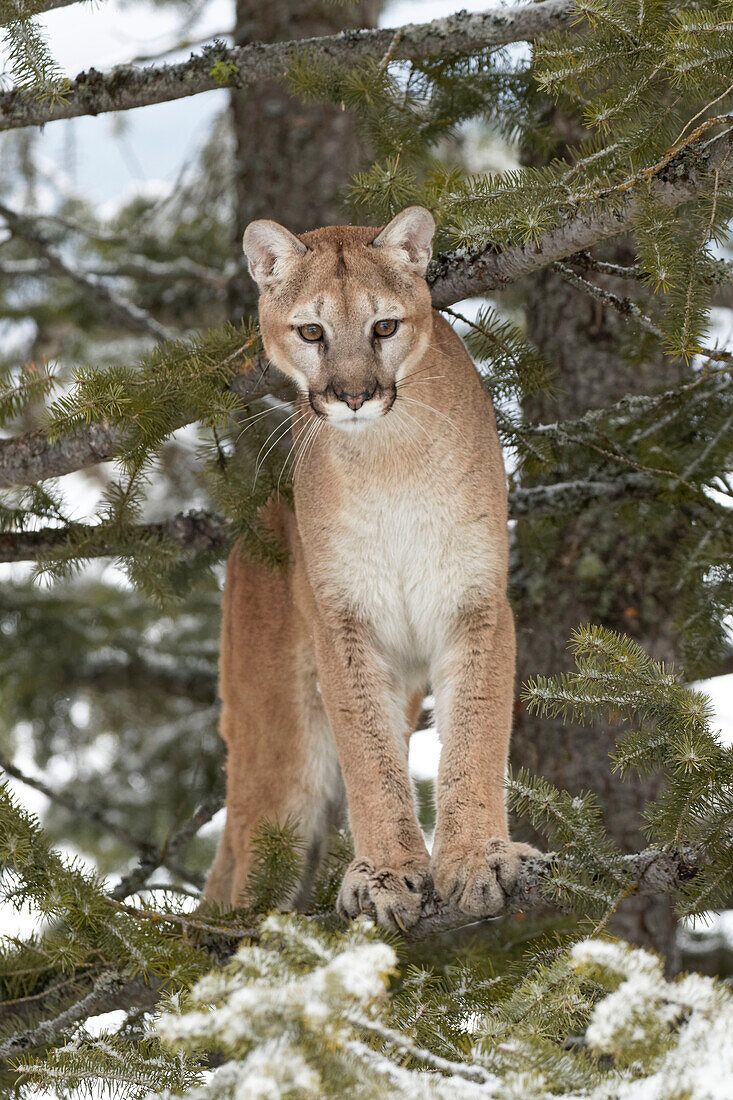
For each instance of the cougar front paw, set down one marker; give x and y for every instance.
(393, 898)
(478, 882)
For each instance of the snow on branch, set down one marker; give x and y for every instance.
(654, 871)
(217, 66)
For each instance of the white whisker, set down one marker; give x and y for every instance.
(251, 420)
(287, 456)
(260, 461)
(417, 422)
(438, 412)
(418, 378)
(303, 447)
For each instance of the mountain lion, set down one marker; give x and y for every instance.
(397, 577)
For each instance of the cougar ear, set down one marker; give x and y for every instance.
(410, 233)
(270, 249)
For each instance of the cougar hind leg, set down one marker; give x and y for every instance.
(281, 755)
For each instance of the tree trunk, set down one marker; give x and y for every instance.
(608, 566)
(292, 161)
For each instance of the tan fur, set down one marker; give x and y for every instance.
(397, 578)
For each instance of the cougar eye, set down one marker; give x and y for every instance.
(311, 333)
(386, 328)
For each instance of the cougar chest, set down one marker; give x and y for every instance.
(412, 557)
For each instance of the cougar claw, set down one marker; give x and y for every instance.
(394, 898)
(479, 882)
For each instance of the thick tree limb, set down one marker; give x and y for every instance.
(218, 66)
(571, 496)
(196, 531)
(655, 871)
(105, 990)
(456, 275)
(17, 9)
(28, 458)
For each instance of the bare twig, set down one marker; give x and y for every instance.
(126, 311)
(628, 308)
(89, 813)
(154, 858)
(185, 921)
(132, 266)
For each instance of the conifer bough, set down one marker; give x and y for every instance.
(197, 531)
(654, 871)
(127, 86)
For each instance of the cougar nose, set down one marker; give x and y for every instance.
(355, 400)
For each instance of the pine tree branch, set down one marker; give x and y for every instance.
(126, 311)
(134, 267)
(572, 496)
(218, 66)
(28, 458)
(188, 530)
(197, 531)
(419, 1054)
(32, 457)
(154, 858)
(628, 308)
(196, 682)
(89, 813)
(109, 992)
(653, 871)
(676, 180)
(721, 275)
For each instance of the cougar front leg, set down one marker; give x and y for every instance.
(475, 864)
(390, 876)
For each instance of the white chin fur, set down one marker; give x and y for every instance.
(349, 420)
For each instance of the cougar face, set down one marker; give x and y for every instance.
(344, 311)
